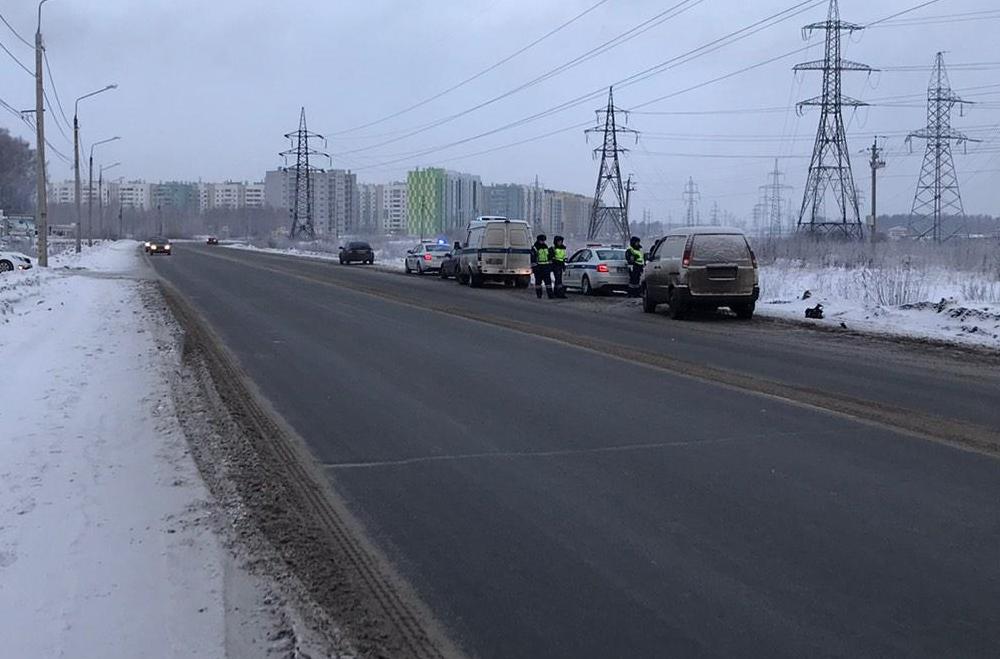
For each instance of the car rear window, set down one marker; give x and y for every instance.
(495, 237)
(358, 246)
(518, 237)
(611, 254)
(720, 248)
(438, 248)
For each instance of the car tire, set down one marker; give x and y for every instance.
(522, 281)
(406, 267)
(420, 269)
(677, 307)
(647, 304)
(6, 266)
(744, 311)
(585, 286)
(475, 281)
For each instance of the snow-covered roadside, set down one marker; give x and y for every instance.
(939, 305)
(106, 547)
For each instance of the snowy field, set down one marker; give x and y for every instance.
(105, 546)
(933, 303)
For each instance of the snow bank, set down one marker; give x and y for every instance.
(104, 550)
(927, 303)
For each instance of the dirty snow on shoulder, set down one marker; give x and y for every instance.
(104, 547)
(947, 292)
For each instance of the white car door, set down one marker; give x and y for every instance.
(571, 277)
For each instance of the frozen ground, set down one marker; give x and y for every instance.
(107, 545)
(935, 303)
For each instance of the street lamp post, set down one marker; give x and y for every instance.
(41, 206)
(90, 189)
(100, 197)
(76, 159)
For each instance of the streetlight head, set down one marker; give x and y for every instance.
(112, 86)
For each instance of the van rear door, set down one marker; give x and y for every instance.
(519, 252)
(720, 265)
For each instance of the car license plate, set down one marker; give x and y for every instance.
(621, 269)
(727, 273)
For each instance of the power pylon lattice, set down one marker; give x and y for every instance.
(937, 192)
(830, 167)
(691, 197)
(609, 213)
(301, 207)
(772, 198)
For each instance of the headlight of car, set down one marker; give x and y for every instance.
(166, 247)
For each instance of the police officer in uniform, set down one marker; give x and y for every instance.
(636, 261)
(558, 252)
(541, 266)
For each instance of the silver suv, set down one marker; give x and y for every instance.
(706, 267)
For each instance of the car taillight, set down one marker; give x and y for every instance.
(686, 259)
(753, 258)
(602, 267)
(427, 257)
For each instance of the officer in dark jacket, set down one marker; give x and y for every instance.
(541, 266)
(558, 252)
(636, 261)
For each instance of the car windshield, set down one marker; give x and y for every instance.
(720, 248)
(611, 254)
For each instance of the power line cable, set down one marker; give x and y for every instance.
(618, 40)
(488, 69)
(55, 92)
(11, 28)
(16, 60)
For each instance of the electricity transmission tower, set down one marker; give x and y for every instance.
(691, 197)
(715, 213)
(301, 209)
(830, 167)
(773, 203)
(609, 213)
(937, 190)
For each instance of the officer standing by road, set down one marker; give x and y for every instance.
(541, 266)
(636, 261)
(558, 251)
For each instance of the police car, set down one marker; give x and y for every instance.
(426, 257)
(597, 268)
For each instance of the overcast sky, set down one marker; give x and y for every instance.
(207, 89)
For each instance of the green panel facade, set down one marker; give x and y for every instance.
(425, 201)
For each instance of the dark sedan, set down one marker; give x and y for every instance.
(357, 252)
(159, 246)
(449, 264)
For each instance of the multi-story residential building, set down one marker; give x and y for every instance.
(175, 195)
(135, 194)
(442, 201)
(64, 192)
(254, 195)
(565, 213)
(335, 198)
(371, 206)
(395, 213)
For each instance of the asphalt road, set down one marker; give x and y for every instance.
(578, 479)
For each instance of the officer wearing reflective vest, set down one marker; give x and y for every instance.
(541, 266)
(558, 252)
(636, 261)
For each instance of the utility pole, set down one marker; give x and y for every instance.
(937, 190)
(876, 163)
(612, 211)
(76, 160)
(830, 167)
(90, 189)
(42, 205)
(691, 197)
(302, 202)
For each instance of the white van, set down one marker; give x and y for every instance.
(496, 249)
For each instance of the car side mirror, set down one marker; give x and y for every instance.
(341, 248)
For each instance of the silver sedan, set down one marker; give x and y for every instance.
(597, 269)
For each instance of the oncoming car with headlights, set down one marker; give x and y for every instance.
(13, 261)
(159, 246)
(597, 269)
